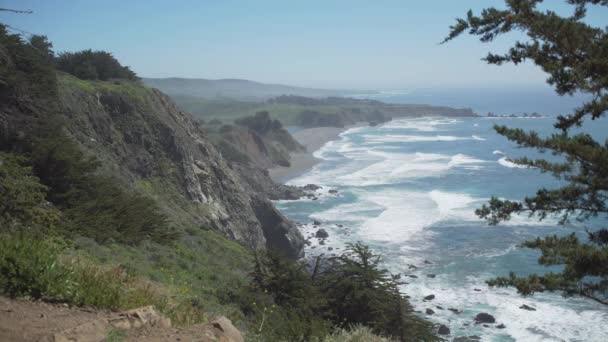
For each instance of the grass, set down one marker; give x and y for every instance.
(355, 334)
(199, 271)
(133, 89)
(186, 284)
(229, 110)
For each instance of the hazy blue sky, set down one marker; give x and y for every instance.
(321, 43)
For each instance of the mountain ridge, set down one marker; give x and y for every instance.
(238, 89)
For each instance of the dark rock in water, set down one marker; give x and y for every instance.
(397, 276)
(439, 307)
(340, 225)
(429, 297)
(333, 191)
(280, 233)
(477, 290)
(526, 307)
(472, 338)
(412, 267)
(484, 318)
(322, 242)
(501, 326)
(408, 297)
(430, 312)
(456, 311)
(412, 276)
(321, 234)
(316, 223)
(427, 262)
(330, 248)
(311, 187)
(315, 198)
(443, 330)
(431, 275)
(486, 326)
(313, 247)
(308, 243)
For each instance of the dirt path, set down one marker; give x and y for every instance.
(22, 320)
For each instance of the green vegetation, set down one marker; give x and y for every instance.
(351, 289)
(308, 112)
(70, 234)
(93, 65)
(575, 55)
(355, 334)
(33, 267)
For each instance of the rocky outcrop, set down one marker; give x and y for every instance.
(280, 233)
(140, 135)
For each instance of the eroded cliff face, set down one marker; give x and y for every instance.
(140, 135)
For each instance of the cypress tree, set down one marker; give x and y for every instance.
(574, 54)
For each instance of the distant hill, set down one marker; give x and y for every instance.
(235, 89)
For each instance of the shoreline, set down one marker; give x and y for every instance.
(301, 162)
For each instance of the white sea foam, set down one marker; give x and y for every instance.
(390, 168)
(498, 152)
(507, 163)
(422, 125)
(556, 318)
(392, 138)
(476, 137)
(406, 213)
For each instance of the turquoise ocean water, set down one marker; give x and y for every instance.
(409, 189)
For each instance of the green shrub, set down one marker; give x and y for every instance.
(36, 268)
(29, 267)
(357, 333)
(342, 291)
(93, 65)
(95, 206)
(22, 197)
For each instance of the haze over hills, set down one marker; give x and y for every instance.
(236, 89)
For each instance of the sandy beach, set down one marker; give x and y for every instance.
(313, 139)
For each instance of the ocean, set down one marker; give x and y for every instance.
(409, 188)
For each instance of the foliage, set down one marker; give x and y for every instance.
(260, 123)
(22, 197)
(356, 333)
(342, 291)
(94, 206)
(27, 77)
(29, 267)
(359, 291)
(93, 65)
(575, 56)
(39, 268)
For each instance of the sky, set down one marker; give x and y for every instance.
(349, 44)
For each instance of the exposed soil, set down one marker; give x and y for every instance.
(23, 320)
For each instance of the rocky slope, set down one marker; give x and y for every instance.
(143, 140)
(141, 131)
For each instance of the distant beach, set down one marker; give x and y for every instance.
(313, 139)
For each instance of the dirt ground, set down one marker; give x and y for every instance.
(23, 320)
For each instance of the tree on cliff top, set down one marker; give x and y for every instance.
(93, 65)
(575, 56)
